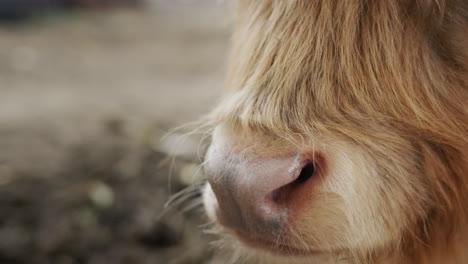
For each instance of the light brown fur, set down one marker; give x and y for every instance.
(384, 84)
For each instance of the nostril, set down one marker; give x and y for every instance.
(282, 194)
(307, 171)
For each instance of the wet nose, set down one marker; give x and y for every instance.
(254, 194)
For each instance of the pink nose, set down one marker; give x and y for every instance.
(254, 194)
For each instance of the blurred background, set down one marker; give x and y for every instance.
(87, 90)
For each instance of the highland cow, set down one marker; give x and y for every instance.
(343, 133)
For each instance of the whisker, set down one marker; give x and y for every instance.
(189, 192)
(197, 203)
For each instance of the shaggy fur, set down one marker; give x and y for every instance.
(381, 87)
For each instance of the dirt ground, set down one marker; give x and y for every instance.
(85, 97)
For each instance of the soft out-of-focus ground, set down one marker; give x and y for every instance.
(85, 97)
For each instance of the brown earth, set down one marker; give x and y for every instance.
(85, 97)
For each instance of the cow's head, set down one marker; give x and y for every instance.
(344, 129)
